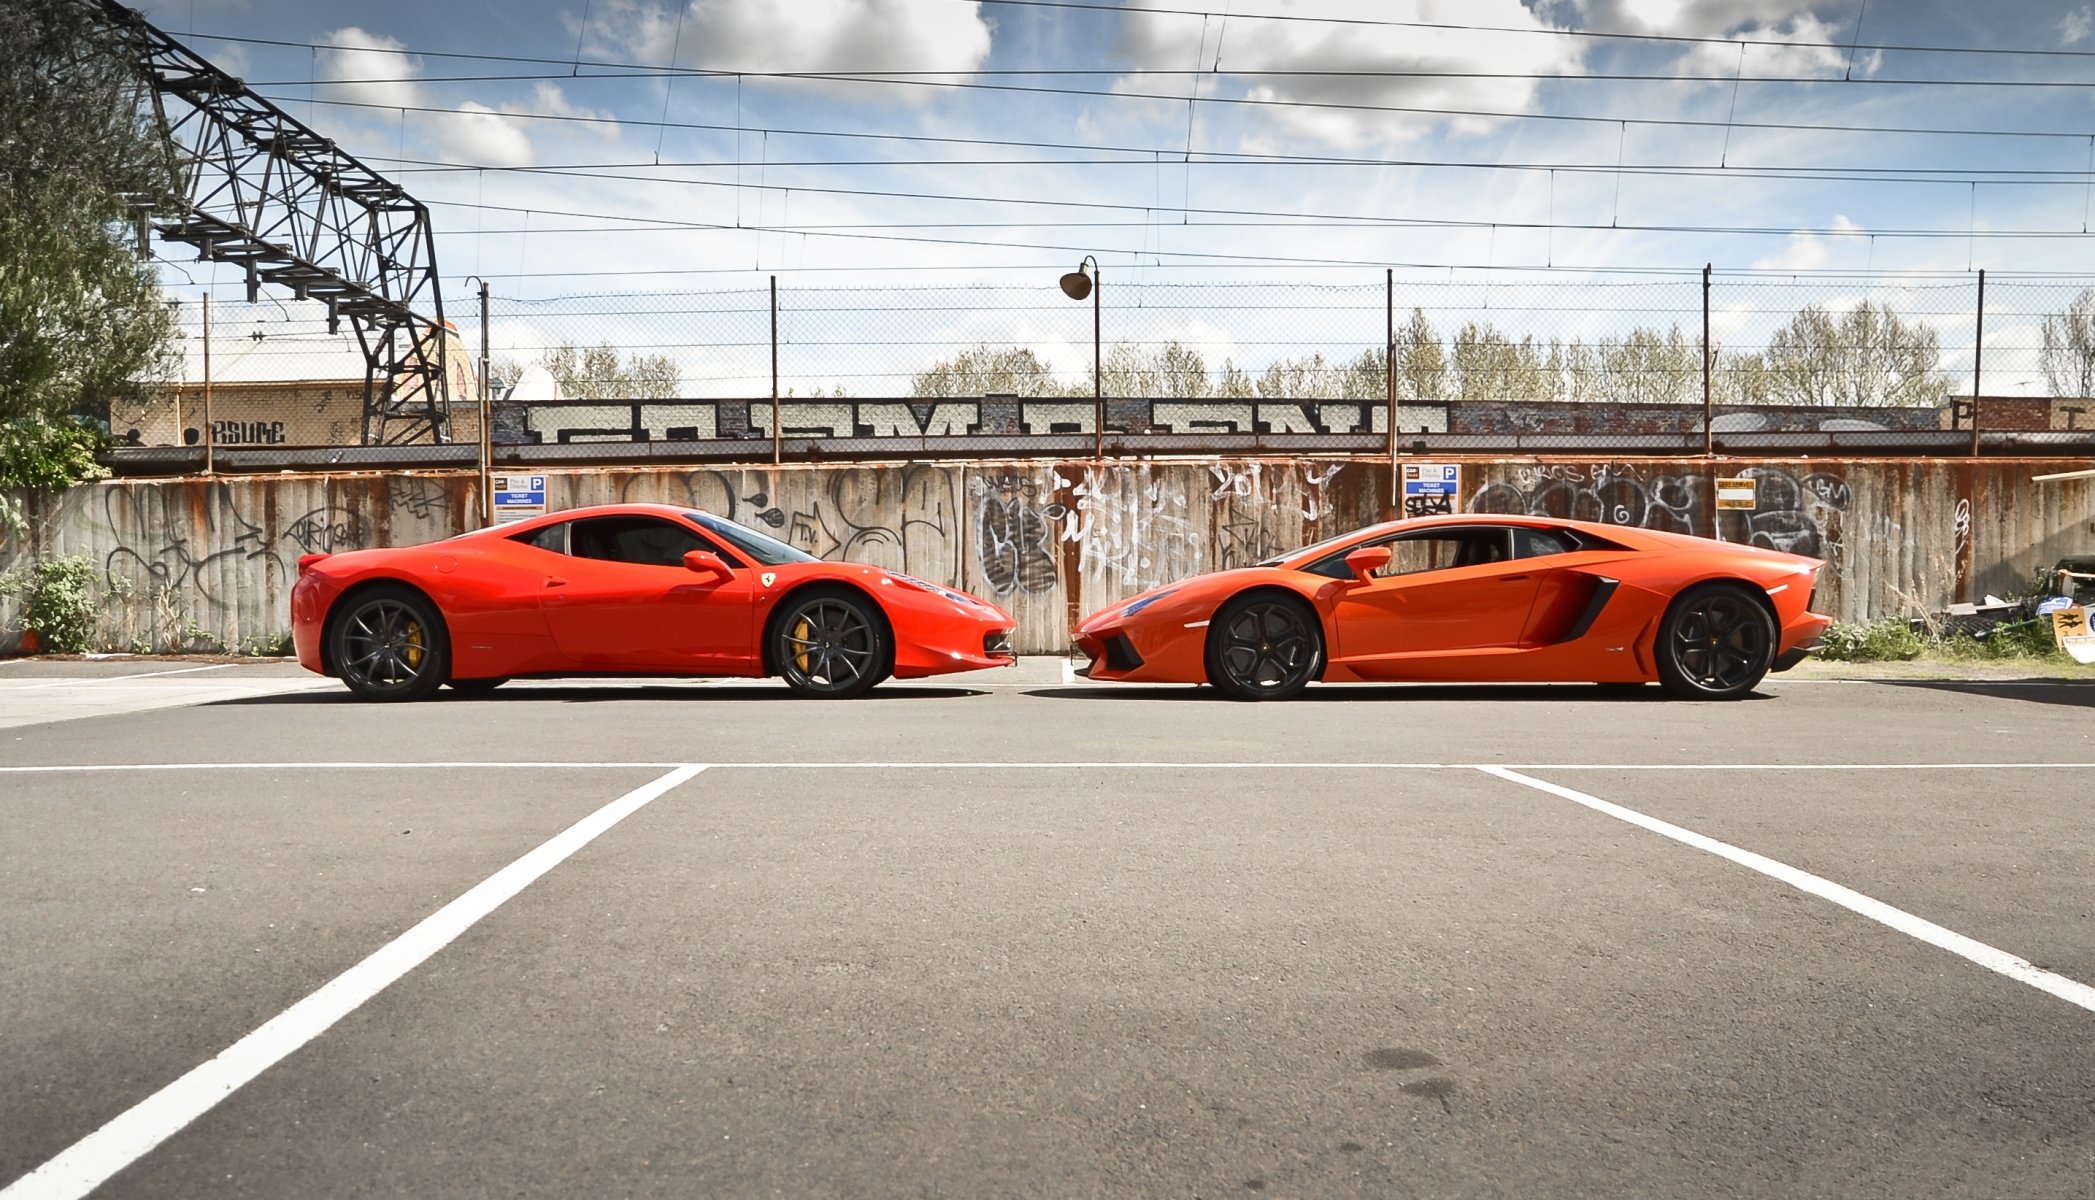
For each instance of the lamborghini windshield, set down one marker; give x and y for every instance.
(1313, 549)
(768, 551)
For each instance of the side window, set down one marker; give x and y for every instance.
(1537, 543)
(648, 541)
(552, 537)
(1442, 551)
(1437, 551)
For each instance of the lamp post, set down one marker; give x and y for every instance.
(1076, 285)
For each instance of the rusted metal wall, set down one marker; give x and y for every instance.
(208, 563)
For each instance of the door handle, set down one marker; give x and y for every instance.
(552, 581)
(1514, 578)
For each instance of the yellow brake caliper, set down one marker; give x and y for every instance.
(803, 634)
(414, 645)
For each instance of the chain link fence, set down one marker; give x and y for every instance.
(1510, 362)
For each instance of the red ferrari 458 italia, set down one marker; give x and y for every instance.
(627, 589)
(1474, 599)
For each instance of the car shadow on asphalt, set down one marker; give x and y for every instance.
(1581, 693)
(567, 694)
(2072, 693)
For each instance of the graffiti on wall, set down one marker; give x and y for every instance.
(1136, 526)
(1014, 517)
(1799, 514)
(901, 518)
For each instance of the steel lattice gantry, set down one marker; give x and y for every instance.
(258, 187)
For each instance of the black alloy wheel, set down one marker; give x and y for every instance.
(830, 645)
(1264, 647)
(390, 645)
(1716, 643)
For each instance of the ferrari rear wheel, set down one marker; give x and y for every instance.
(830, 644)
(1716, 643)
(1264, 647)
(389, 645)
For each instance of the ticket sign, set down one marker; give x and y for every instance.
(1431, 489)
(518, 497)
(1736, 493)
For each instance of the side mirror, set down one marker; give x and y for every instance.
(705, 562)
(1367, 560)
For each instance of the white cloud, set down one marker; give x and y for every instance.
(2076, 26)
(807, 35)
(1761, 20)
(479, 134)
(1394, 54)
(1810, 251)
(374, 71)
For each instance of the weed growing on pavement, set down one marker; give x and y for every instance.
(1885, 640)
(61, 602)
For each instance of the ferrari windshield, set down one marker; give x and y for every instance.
(768, 551)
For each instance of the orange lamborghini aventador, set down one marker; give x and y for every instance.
(1473, 599)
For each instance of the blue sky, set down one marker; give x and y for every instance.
(755, 176)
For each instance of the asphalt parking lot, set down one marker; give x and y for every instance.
(1009, 935)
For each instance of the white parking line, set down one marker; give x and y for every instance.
(91, 1161)
(1035, 765)
(1989, 957)
(57, 683)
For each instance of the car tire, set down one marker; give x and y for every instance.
(1264, 646)
(389, 644)
(1716, 643)
(830, 643)
(477, 687)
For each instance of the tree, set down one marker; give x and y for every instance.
(988, 370)
(81, 317)
(82, 320)
(1491, 367)
(1868, 357)
(2069, 348)
(1422, 367)
(1648, 367)
(601, 373)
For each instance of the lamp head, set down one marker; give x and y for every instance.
(1077, 284)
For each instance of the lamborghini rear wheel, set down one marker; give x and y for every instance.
(1716, 643)
(830, 644)
(1264, 647)
(389, 644)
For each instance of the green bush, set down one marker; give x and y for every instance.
(62, 602)
(1884, 640)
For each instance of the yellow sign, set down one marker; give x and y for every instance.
(1736, 493)
(2069, 623)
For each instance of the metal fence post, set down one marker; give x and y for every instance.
(487, 420)
(778, 423)
(207, 385)
(1978, 351)
(1389, 363)
(1709, 437)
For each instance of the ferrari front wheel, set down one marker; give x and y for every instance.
(1716, 643)
(389, 645)
(830, 644)
(1264, 647)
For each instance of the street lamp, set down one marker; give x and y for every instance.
(1077, 285)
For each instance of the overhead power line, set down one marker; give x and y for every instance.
(1679, 38)
(1331, 222)
(577, 63)
(1664, 122)
(2013, 177)
(940, 77)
